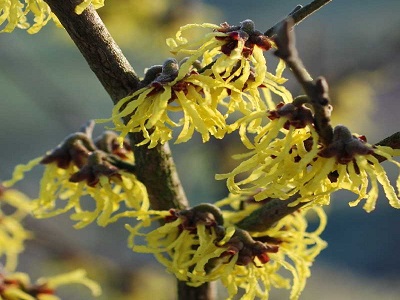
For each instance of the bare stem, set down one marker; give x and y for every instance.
(299, 14)
(158, 173)
(316, 90)
(392, 141)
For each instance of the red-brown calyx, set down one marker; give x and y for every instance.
(245, 32)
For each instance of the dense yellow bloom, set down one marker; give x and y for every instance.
(273, 163)
(18, 286)
(224, 73)
(80, 171)
(296, 164)
(177, 249)
(278, 150)
(197, 248)
(350, 163)
(232, 55)
(297, 251)
(227, 53)
(109, 193)
(152, 108)
(12, 233)
(14, 13)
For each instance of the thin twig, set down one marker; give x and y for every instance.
(298, 15)
(317, 91)
(392, 141)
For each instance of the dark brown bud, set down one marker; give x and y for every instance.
(75, 148)
(345, 146)
(97, 165)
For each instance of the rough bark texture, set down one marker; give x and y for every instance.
(158, 174)
(263, 218)
(98, 48)
(155, 167)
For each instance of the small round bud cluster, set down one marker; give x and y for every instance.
(245, 32)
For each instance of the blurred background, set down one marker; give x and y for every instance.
(48, 91)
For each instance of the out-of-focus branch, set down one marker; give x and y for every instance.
(316, 90)
(299, 14)
(392, 141)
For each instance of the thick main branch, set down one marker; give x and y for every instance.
(98, 48)
(155, 167)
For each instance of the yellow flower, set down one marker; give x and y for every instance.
(151, 108)
(85, 3)
(18, 285)
(352, 164)
(225, 73)
(296, 164)
(232, 55)
(181, 245)
(227, 53)
(271, 165)
(12, 233)
(13, 13)
(78, 168)
(197, 247)
(108, 190)
(297, 251)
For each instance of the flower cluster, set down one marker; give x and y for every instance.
(298, 154)
(286, 143)
(221, 86)
(14, 13)
(202, 244)
(19, 286)
(222, 74)
(280, 166)
(80, 169)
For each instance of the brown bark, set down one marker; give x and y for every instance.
(97, 46)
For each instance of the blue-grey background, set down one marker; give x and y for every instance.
(48, 91)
